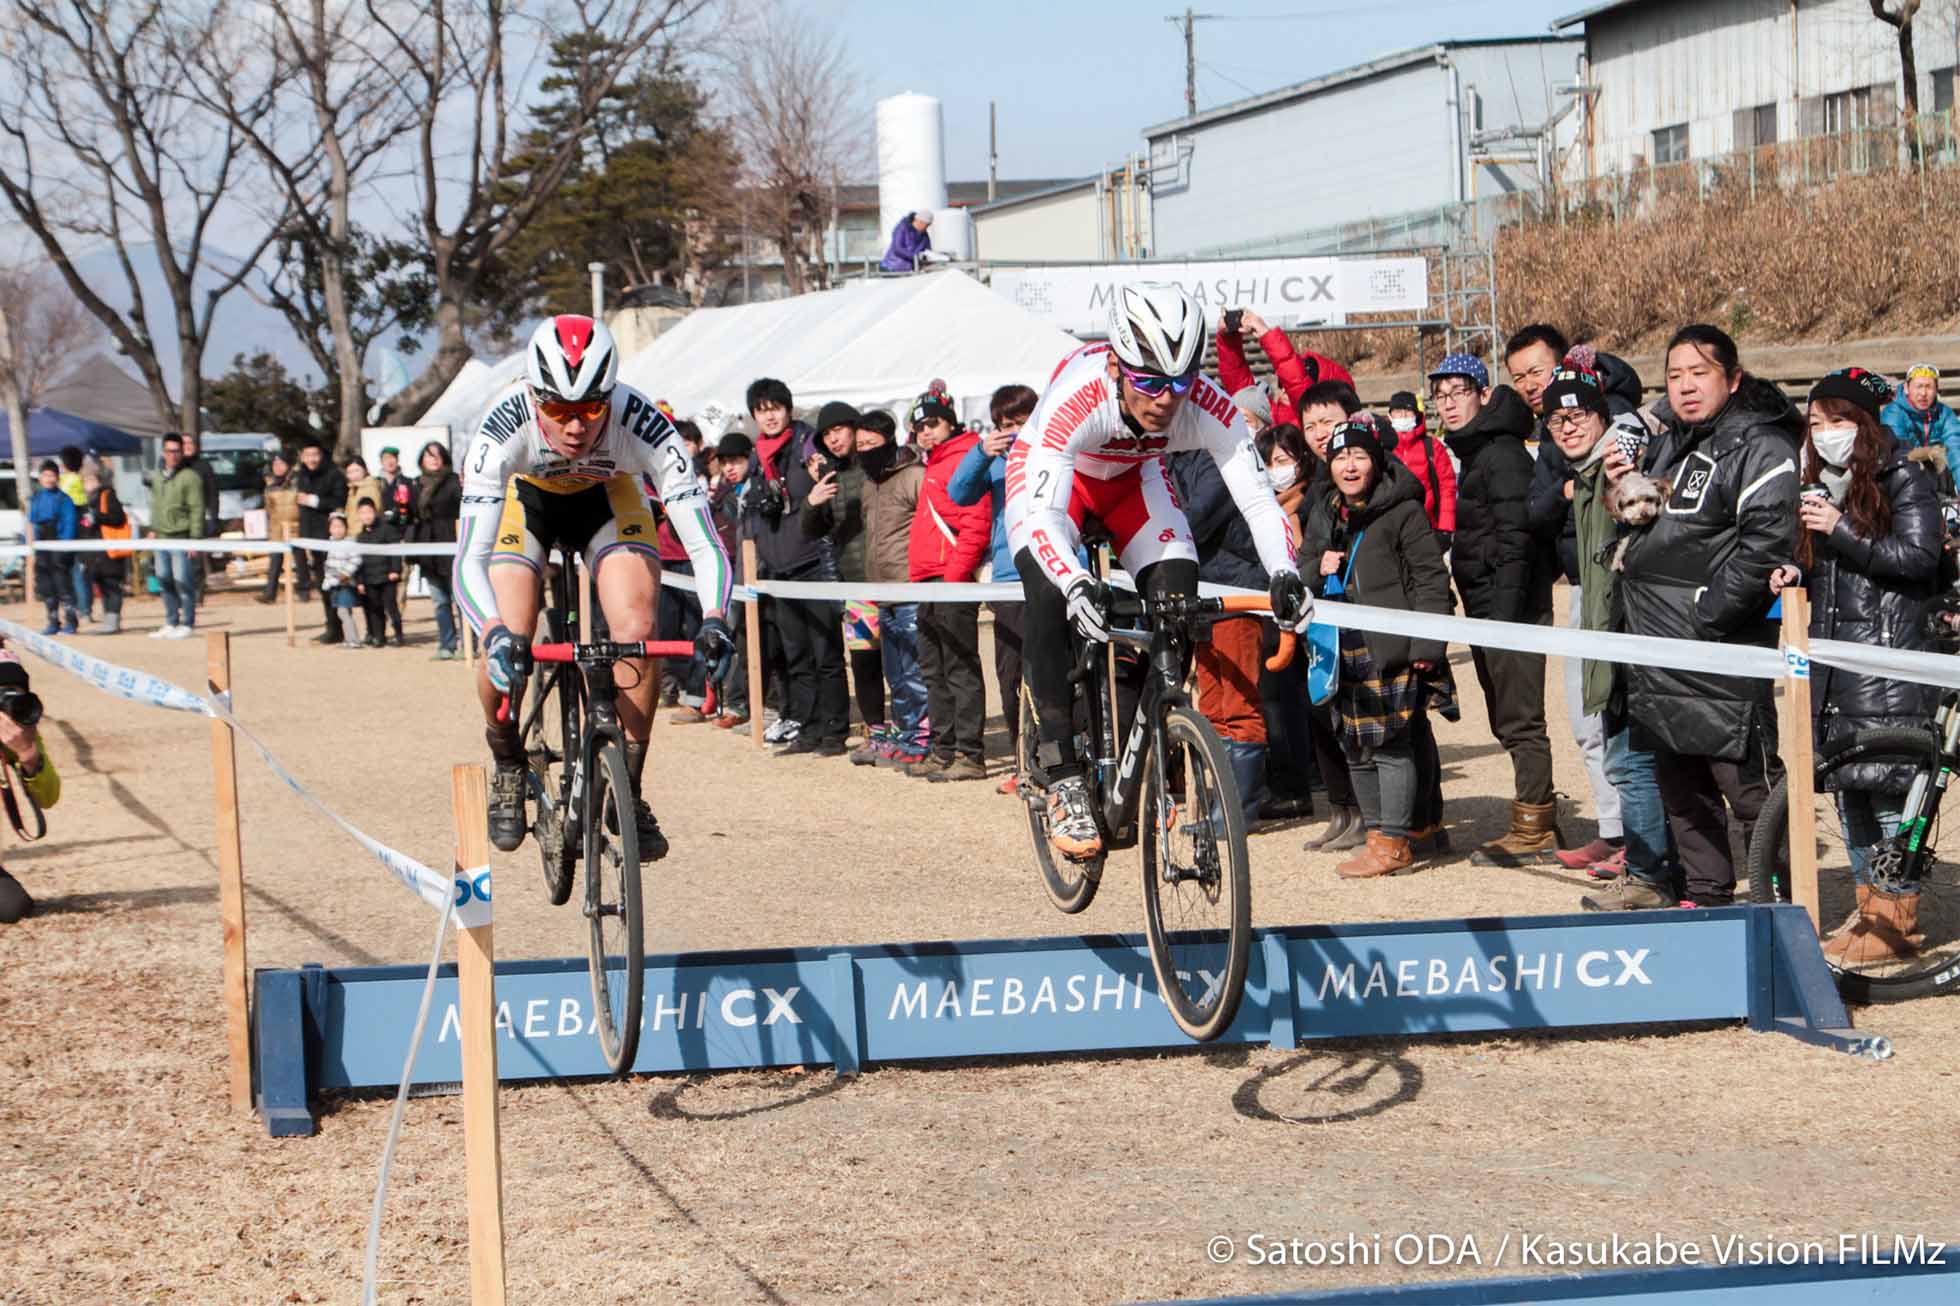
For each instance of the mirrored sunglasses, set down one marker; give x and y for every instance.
(1154, 384)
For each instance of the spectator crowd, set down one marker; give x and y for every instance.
(1679, 516)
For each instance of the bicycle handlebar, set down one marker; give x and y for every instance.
(1135, 605)
(603, 651)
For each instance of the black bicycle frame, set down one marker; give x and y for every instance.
(1119, 776)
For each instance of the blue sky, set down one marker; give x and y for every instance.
(1077, 80)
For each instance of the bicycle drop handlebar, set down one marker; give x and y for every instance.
(1132, 605)
(602, 652)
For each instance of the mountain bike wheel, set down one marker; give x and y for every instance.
(615, 953)
(551, 731)
(1936, 967)
(1071, 885)
(1197, 888)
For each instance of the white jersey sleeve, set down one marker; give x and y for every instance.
(653, 448)
(1072, 418)
(1210, 421)
(497, 451)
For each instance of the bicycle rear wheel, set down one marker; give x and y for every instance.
(551, 731)
(1197, 888)
(1936, 966)
(615, 953)
(1071, 884)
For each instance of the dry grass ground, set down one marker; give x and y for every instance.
(124, 1179)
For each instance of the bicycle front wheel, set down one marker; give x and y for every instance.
(1197, 888)
(551, 731)
(1935, 966)
(616, 954)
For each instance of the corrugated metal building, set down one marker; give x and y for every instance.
(1388, 137)
(1687, 79)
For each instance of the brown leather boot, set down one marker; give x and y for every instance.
(1885, 931)
(1382, 856)
(1852, 930)
(1533, 837)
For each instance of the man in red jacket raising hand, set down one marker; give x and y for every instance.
(1297, 373)
(948, 543)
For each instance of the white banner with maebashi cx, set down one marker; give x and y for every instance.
(1287, 292)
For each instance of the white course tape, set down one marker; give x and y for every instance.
(426, 550)
(439, 891)
(370, 1272)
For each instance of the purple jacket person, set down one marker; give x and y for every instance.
(910, 240)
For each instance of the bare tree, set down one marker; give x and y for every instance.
(41, 328)
(447, 62)
(316, 70)
(1900, 15)
(792, 95)
(98, 142)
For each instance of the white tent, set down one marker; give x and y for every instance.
(874, 344)
(470, 393)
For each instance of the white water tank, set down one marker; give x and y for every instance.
(911, 160)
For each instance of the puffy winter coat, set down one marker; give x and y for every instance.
(770, 514)
(838, 521)
(948, 541)
(1226, 553)
(982, 478)
(327, 485)
(1551, 512)
(908, 245)
(1423, 454)
(1296, 372)
(1875, 592)
(1701, 570)
(1399, 563)
(1938, 426)
(890, 503)
(1502, 567)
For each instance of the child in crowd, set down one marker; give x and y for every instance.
(727, 496)
(380, 573)
(889, 496)
(948, 544)
(52, 515)
(342, 580)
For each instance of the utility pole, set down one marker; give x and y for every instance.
(1189, 22)
(993, 149)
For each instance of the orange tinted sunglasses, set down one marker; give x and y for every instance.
(565, 410)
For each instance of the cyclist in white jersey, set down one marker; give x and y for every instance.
(1095, 448)
(560, 459)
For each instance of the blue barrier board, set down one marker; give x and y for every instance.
(345, 1028)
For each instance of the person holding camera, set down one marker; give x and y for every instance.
(22, 757)
(770, 517)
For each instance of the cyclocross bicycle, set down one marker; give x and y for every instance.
(582, 796)
(1911, 857)
(1171, 788)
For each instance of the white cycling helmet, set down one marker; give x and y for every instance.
(1157, 327)
(572, 358)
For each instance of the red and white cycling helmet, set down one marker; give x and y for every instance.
(1155, 326)
(572, 359)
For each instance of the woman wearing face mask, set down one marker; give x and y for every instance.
(1369, 530)
(1869, 553)
(1428, 460)
(1300, 740)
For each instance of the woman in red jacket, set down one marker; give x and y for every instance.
(1297, 373)
(948, 543)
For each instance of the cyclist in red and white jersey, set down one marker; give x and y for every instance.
(560, 459)
(1095, 448)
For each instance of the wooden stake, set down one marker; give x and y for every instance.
(476, 1011)
(231, 874)
(754, 624)
(292, 603)
(1799, 763)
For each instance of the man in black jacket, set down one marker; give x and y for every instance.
(1531, 356)
(1728, 451)
(322, 492)
(1503, 573)
(771, 516)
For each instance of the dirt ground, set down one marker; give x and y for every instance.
(124, 1178)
